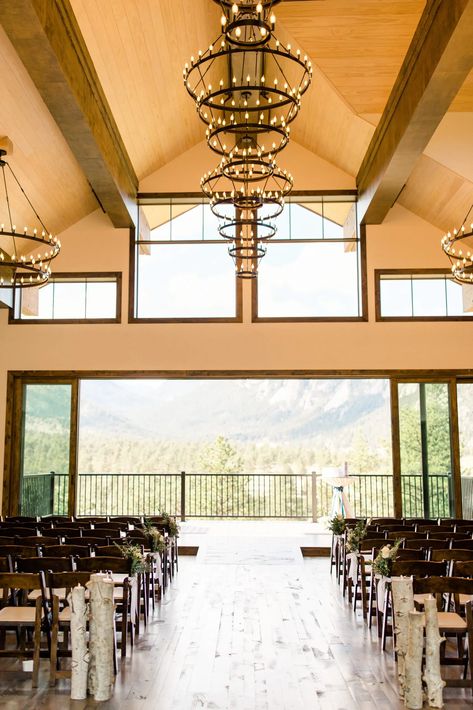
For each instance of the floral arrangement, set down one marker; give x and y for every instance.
(383, 563)
(156, 541)
(337, 524)
(171, 523)
(134, 554)
(355, 536)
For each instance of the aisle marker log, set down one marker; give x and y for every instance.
(101, 633)
(403, 603)
(432, 677)
(415, 644)
(80, 653)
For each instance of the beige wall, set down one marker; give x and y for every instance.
(402, 241)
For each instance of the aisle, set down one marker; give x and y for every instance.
(247, 625)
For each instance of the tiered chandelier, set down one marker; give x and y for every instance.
(25, 254)
(247, 87)
(458, 246)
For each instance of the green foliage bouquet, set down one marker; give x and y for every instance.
(156, 541)
(355, 536)
(134, 554)
(171, 523)
(337, 524)
(383, 563)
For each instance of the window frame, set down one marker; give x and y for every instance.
(64, 277)
(362, 267)
(156, 198)
(378, 273)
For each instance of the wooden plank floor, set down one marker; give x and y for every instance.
(247, 625)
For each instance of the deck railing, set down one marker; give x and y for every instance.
(257, 495)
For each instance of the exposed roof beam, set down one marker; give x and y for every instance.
(48, 40)
(438, 61)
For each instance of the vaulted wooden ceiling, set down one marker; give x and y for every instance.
(138, 49)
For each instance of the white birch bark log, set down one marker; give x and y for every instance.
(413, 696)
(80, 653)
(432, 676)
(101, 637)
(403, 603)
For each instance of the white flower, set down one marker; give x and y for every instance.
(386, 552)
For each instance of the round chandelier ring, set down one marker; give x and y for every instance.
(461, 259)
(242, 170)
(233, 36)
(248, 204)
(214, 138)
(247, 252)
(227, 54)
(247, 6)
(264, 230)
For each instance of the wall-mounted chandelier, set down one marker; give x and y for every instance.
(247, 87)
(25, 254)
(458, 246)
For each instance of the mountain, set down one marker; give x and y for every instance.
(242, 410)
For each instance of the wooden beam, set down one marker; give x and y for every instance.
(48, 40)
(437, 63)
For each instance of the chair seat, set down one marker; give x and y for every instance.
(464, 598)
(420, 598)
(32, 596)
(451, 621)
(65, 615)
(18, 615)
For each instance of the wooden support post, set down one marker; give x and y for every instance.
(183, 496)
(315, 515)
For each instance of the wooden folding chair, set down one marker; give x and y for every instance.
(17, 614)
(451, 623)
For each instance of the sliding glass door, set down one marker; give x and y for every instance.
(425, 435)
(45, 458)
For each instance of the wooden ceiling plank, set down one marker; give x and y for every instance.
(48, 40)
(438, 61)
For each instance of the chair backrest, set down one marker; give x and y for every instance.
(66, 580)
(448, 535)
(84, 541)
(107, 551)
(407, 535)
(20, 519)
(42, 564)
(37, 540)
(65, 550)
(111, 525)
(62, 532)
(92, 518)
(18, 551)
(421, 521)
(436, 528)
(103, 564)
(128, 519)
(451, 554)
(464, 543)
(462, 568)
(56, 519)
(426, 544)
(407, 554)
(419, 568)
(22, 582)
(102, 533)
(379, 521)
(370, 543)
(15, 531)
(396, 527)
(443, 585)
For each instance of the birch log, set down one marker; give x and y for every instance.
(413, 696)
(101, 637)
(432, 676)
(403, 603)
(80, 653)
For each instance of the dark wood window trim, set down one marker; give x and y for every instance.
(75, 276)
(378, 273)
(237, 318)
(16, 380)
